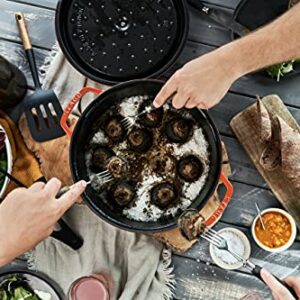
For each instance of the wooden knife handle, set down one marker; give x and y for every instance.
(21, 22)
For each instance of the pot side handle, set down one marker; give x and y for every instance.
(229, 192)
(71, 105)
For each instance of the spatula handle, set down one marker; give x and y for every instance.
(21, 22)
(65, 234)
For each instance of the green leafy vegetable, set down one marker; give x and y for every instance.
(3, 165)
(280, 70)
(17, 288)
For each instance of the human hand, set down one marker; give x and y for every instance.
(278, 290)
(28, 216)
(202, 82)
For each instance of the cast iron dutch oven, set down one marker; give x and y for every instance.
(83, 129)
(112, 41)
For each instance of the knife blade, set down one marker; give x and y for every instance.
(223, 18)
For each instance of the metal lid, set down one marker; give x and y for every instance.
(113, 40)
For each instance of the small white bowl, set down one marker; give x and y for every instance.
(293, 233)
(236, 265)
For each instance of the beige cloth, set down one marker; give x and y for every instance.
(137, 264)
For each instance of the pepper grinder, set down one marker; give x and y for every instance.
(13, 84)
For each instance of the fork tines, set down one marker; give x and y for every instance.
(104, 177)
(213, 237)
(127, 123)
(220, 242)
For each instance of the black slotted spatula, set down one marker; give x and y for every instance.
(42, 109)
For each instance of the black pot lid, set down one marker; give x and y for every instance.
(114, 40)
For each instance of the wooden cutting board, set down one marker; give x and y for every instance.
(244, 125)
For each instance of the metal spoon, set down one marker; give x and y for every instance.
(260, 217)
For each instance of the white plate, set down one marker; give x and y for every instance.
(230, 266)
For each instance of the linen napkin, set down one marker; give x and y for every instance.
(137, 265)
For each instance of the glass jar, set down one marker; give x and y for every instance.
(94, 287)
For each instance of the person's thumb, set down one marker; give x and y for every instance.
(277, 288)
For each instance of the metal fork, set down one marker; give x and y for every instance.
(129, 121)
(214, 238)
(101, 178)
(218, 241)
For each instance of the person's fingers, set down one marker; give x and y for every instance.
(167, 90)
(179, 100)
(192, 103)
(294, 282)
(38, 186)
(202, 105)
(49, 231)
(70, 197)
(52, 187)
(275, 297)
(277, 288)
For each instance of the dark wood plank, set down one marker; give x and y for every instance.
(245, 127)
(288, 89)
(241, 210)
(282, 264)
(196, 280)
(251, 85)
(243, 169)
(50, 4)
(206, 31)
(202, 28)
(14, 53)
(224, 3)
(274, 261)
(231, 105)
(40, 23)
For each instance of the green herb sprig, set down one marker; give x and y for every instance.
(280, 70)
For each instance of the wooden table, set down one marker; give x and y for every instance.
(197, 277)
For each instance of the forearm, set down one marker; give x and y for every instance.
(4, 255)
(274, 43)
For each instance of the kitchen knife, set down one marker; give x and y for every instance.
(221, 17)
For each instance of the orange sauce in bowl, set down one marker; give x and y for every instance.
(278, 229)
